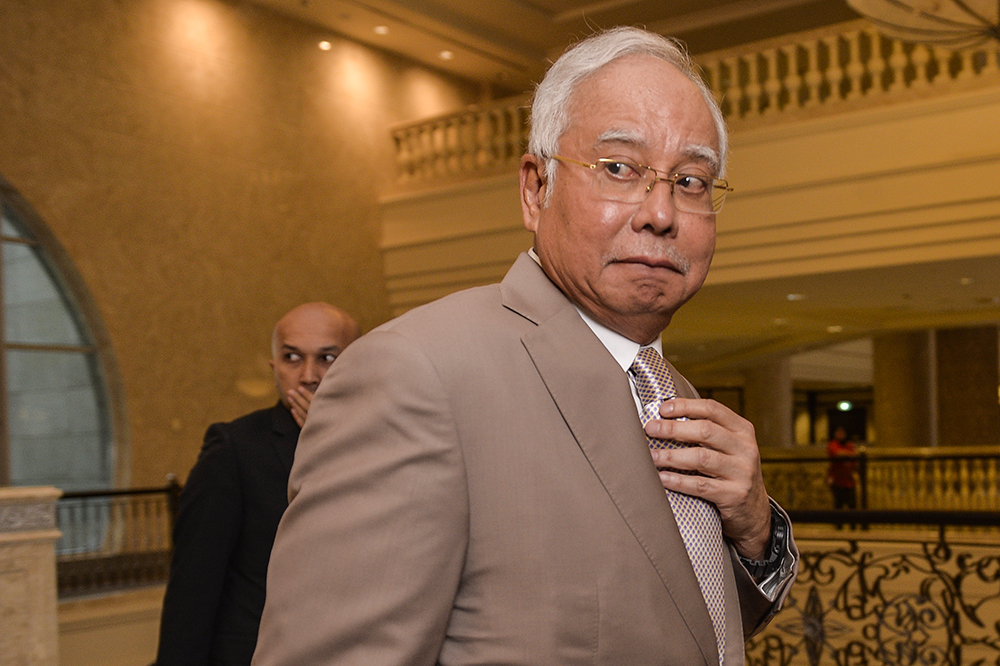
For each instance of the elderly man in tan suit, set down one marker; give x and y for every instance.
(474, 484)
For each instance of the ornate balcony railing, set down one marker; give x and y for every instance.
(479, 141)
(966, 479)
(834, 69)
(114, 539)
(823, 72)
(890, 600)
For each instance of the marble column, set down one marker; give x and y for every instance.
(768, 403)
(968, 373)
(28, 625)
(903, 378)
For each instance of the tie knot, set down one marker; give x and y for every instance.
(652, 377)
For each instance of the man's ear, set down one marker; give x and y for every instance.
(533, 186)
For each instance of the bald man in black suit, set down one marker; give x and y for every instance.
(234, 498)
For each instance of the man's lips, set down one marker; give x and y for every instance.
(651, 262)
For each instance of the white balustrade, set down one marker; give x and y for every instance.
(824, 71)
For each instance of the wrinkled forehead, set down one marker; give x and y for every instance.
(646, 104)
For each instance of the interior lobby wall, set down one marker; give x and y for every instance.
(206, 167)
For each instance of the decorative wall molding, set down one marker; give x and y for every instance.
(27, 509)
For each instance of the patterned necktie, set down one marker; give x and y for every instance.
(697, 520)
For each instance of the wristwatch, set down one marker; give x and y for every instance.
(760, 569)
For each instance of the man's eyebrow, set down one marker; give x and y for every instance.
(695, 151)
(707, 154)
(621, 136)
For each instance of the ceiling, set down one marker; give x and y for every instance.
(507, 43)
(771, 318)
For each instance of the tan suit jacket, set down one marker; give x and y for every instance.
(473, 486)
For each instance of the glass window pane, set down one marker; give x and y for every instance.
(57, 432)
(7, 227)
(34, 310)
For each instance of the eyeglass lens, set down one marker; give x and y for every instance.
(632, 183)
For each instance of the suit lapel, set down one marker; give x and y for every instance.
(285, 435)
(593, 396)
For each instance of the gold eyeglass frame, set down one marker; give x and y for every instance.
(717, 183)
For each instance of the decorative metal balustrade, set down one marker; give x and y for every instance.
(114, 539)
(966, 479)
(879, 598)
(804, 75)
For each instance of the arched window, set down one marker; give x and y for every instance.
(56, 426)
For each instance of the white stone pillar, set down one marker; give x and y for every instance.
(28, 534)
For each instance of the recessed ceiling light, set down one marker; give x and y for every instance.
(381, 30)
(834, 329)
(324, 45)
(796, 297)
(446, 55)
(965, 281)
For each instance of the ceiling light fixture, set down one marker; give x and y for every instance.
(381, 30)
(957, 24)
(835, 329)
(446, 55)
(796, 297)
(325, 45)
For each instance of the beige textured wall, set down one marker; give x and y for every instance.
(206, 167)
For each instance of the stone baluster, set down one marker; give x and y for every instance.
(453, 146)
(713, 78)
(992, 483)
(977, 484)
(964, 497)
(754, 88)
(897, 63)
(739, 96)
(854, 69)
(992, 64)
(919, 488)
(512, 136)
(412, 141)
(771, 95)
(812, 76)
(923, 55)
(498, 138)
(907, 482)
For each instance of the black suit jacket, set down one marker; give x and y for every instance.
(228, 514)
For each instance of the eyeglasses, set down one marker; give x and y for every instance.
(617, 179)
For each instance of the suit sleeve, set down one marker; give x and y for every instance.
(368, 556)
(205, 535)
(756, 608)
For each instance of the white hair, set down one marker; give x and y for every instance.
(550, 108)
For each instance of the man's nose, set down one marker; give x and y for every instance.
(657, 212)
(312, 373)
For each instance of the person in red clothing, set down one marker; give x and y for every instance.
(840, 476)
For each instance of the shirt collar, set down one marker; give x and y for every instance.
(621, 348)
